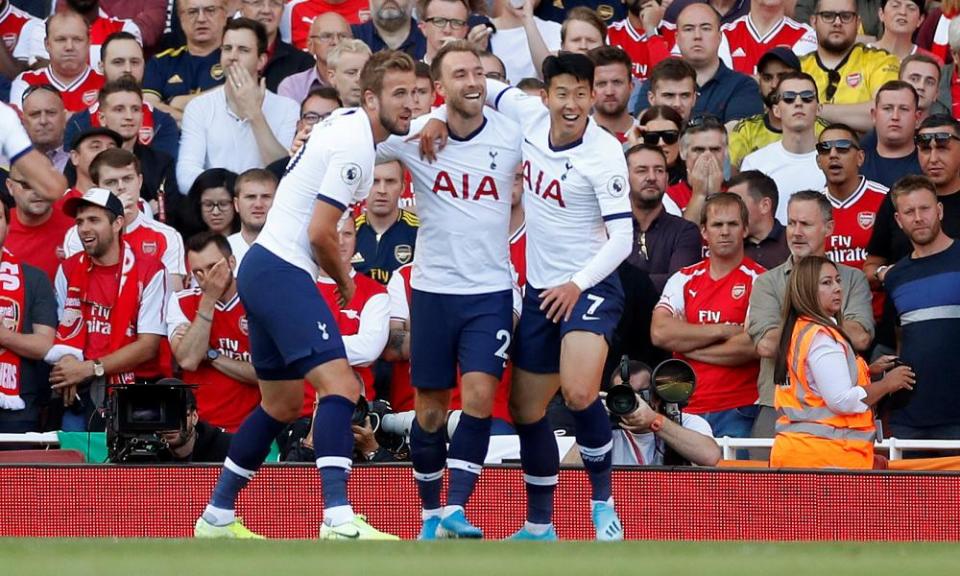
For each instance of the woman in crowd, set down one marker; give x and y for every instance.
(824, 394)
(211, 203)
(660, 126)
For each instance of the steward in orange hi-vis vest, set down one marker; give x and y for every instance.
(810, 434)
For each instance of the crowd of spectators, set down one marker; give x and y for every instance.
(756, 134)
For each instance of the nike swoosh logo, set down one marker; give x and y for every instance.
(353, 536)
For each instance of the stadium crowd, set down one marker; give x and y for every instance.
(755, 133)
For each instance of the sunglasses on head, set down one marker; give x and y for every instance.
(842, 145)
(790, 96)
(704, 121)
(927, 139)
(653, 137)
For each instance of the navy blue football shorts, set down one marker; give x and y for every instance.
(292, 330)
(537, 346)
(472, 332)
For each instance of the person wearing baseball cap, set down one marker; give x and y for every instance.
(84, 148)
(109, 325)
(759, 130)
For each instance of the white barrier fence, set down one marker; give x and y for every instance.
(508, 447)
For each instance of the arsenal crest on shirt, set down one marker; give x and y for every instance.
(149, 247)
(866, 220)
(853, 80)
(738, 291)
(243, 325)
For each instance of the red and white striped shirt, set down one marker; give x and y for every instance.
(747, 45)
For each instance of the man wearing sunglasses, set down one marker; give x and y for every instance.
(791, 162)
(855, 198)
(848, 74)
(759, 130)
(938, 143)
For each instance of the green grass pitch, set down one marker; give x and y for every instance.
(102, 557)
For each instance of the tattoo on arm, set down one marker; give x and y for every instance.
(397, 336)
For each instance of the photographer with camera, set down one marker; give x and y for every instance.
(375, 440)
(656, 432)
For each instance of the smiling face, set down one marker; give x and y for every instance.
(462, 83)
(97, 232)
(569, 101)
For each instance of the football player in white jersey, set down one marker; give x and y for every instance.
(579, 230)
(293, 334)
(462, 285)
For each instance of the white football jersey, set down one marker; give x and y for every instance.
(569, 191)
(335, 165)
(463, 202)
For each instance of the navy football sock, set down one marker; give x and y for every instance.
(596, 442)
(468, 450)
(248, 449)
(428, 451)
(541, 466)
(333, 446)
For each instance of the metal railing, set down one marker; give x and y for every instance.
(893, 446)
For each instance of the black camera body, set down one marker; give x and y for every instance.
(138, 414)
(672, 383)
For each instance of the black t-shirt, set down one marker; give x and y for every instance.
(211, 445)
(889, 242)
(887, 171)
(40, 308)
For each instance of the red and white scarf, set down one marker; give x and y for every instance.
(12, 295)
(72, 332)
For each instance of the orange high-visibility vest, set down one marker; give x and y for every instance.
(809, 433)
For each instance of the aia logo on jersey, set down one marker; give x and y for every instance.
(149, 247)
(866, 220)
(487, 186)
(546, 190)
(853, 80)
(242, 324)
(738, 291)
(89, 97)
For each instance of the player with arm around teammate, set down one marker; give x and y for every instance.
(578, 231)
(461, 284)
(293, 334)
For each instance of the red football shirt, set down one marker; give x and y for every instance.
(39, 246)
(299, 15)
(12, 20)
(77, 96)
(644, 51)
(691, 294)
(853, 223)
(221, 400)
(747, 45)
(102, 296)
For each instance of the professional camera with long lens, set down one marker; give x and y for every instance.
(138, 415)
(381, 416)
(672, 382)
